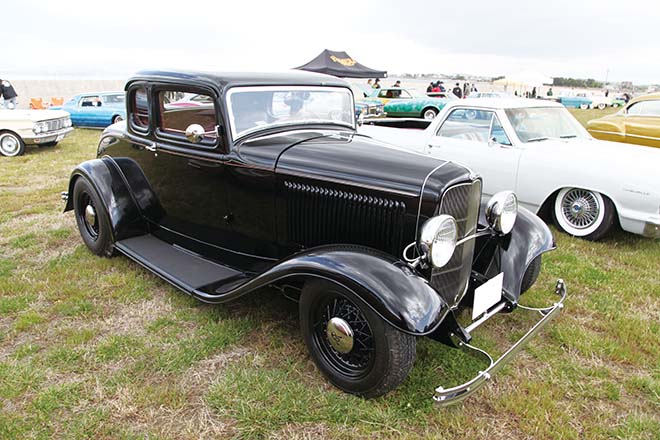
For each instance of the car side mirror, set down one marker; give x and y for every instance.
(492, 141)
(195, 133)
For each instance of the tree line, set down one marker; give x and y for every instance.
(576, 82)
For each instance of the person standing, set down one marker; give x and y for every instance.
(549, 94)
(370, 83)
(457, 91)
(397, 83)
(429, 89)
(376, 84)
(441, 86)
(534, 93)
(465, 89)
(9, 94)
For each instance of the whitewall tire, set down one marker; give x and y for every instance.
(11, 145)
(583, 213)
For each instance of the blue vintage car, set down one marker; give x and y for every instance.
(96, 109)
(575, 102)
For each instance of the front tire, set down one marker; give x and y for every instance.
(584, 106)
(531, 274)
(93, 222)
(11, 145)
(583, 213)
(378, 358)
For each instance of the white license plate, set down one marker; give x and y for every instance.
(487, 295)
(59, 137)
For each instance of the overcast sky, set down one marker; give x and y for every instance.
(578, 38)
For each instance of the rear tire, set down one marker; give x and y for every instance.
(93, 222)
(429, 113)
(380, 356)
(11, 144)
(583, 213)
(584, 106)
(615, 105)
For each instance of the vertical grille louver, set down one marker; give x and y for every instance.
(462, 202)
(318, 215)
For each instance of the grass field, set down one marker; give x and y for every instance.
(100, 348)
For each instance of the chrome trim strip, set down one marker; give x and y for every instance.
(347, 182)
(651, 138)
(606, 132)
(643, 137)
(445, 397)
(421, 194)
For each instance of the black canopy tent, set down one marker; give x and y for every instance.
(342, 65)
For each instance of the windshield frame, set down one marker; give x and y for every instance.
(280, 88)
(581, 132)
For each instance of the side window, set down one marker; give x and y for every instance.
(497, 132)
(383, 93)
(139, 108)
(178, 110)
(90, 101)
(467, 124)
(405, 94)
(645, 108)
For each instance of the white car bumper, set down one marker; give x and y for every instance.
(51, 136)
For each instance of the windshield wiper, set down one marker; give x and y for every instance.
(568, 136)
(536, 139)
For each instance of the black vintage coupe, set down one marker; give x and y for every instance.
(266, 182)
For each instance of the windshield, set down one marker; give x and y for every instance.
(541, 123)
(256, 108)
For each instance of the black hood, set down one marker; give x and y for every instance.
(360, 160)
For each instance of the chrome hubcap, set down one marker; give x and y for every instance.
(580, 208)
(340, 335)
(9, 144)
(90, 215)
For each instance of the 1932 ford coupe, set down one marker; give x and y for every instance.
(268, 183)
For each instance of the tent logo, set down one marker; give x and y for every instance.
(348, 62)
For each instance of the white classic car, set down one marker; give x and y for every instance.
(540, 151)
(31, 127)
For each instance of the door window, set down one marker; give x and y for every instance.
(468, 124)
(645, 108)
(178, 110)
(90, 101)
(139, 109)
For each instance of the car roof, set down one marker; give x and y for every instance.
(503, 103)
(225, 80)
(649, 97)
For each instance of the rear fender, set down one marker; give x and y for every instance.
(118, 203)
(513, 252)
(388, 286)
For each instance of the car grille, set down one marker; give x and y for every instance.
(461, 202)
(318, 215)
(56, 124)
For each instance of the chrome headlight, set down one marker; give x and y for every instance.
(36, 128)
(438, 239)
(44, 127)
(501, 211)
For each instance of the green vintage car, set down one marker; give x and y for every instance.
(412, 105)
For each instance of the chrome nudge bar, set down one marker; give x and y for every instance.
(450, 396)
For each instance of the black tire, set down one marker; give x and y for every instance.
(97, 235)
(11, 144)
(381, 357)
(117, 118)
(531, 274)
(429, 113)
(602, 208)
(602, 106)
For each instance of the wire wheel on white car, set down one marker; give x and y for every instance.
(583, 213)
(11, 144)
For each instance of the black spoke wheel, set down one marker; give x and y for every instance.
(353, 347)
(91, 218)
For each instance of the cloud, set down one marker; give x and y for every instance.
(560, 38)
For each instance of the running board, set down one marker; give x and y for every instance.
(188, 271)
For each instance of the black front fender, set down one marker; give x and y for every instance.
(513, 252)
(118, 203)
(393, 290)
